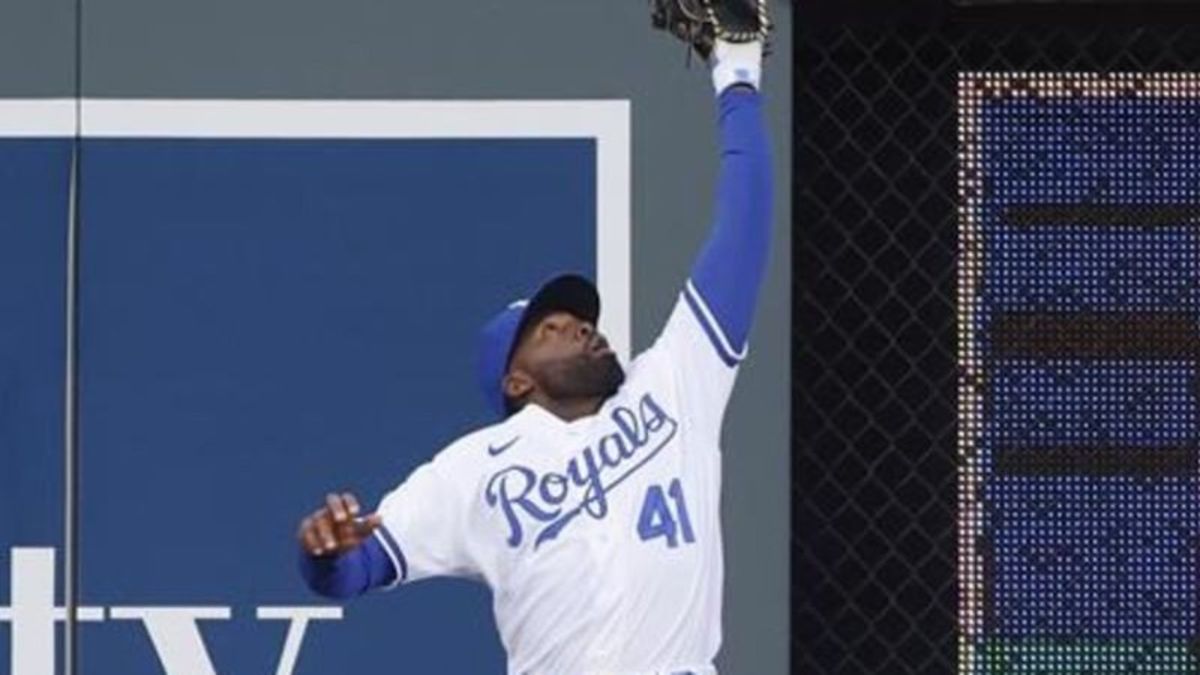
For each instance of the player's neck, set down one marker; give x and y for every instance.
(569, 410)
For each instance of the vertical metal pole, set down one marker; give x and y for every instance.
(71, 389)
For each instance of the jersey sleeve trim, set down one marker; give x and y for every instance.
(394, 553)
(712, 328)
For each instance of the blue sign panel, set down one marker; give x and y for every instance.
(269, 320)
(34, 187)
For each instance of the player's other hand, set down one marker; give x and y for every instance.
(336, 527)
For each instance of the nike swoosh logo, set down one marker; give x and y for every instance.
(494, 450)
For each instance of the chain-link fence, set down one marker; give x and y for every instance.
(874, 539)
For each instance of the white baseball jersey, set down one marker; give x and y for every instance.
(600, 537)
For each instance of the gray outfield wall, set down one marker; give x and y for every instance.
(490, 49)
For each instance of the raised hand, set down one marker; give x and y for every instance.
(336, 528)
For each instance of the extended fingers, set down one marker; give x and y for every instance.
(308, 537)
(313, 530)
(324, 528)
(347, 526)
(351, 503)
(337, 507)
(336, 527)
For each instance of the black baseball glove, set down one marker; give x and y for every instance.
(701, 22)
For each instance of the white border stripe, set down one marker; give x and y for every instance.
(37, 118)
(736, 355)
(614, 275)
(140, 118)
(606, 121)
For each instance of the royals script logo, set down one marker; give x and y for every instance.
(552, 500)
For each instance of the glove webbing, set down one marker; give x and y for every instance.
(764, 25)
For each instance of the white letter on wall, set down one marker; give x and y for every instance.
(299, 616)
(176, 635)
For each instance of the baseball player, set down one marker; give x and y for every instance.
(591, 506)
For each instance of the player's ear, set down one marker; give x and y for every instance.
(517, 384)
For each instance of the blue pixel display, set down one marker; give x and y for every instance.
(1081, 489)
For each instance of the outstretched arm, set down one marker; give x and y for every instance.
(729, 271)
(343, 555)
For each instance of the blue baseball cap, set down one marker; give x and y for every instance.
(498, 340)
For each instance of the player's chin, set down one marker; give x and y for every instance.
(585, 375)
(610, 373)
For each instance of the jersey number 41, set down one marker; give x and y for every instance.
(658, 520)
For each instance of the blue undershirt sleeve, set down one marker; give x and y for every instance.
(729, 270)
(350, 574)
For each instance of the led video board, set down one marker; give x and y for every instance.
(1078, 341)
